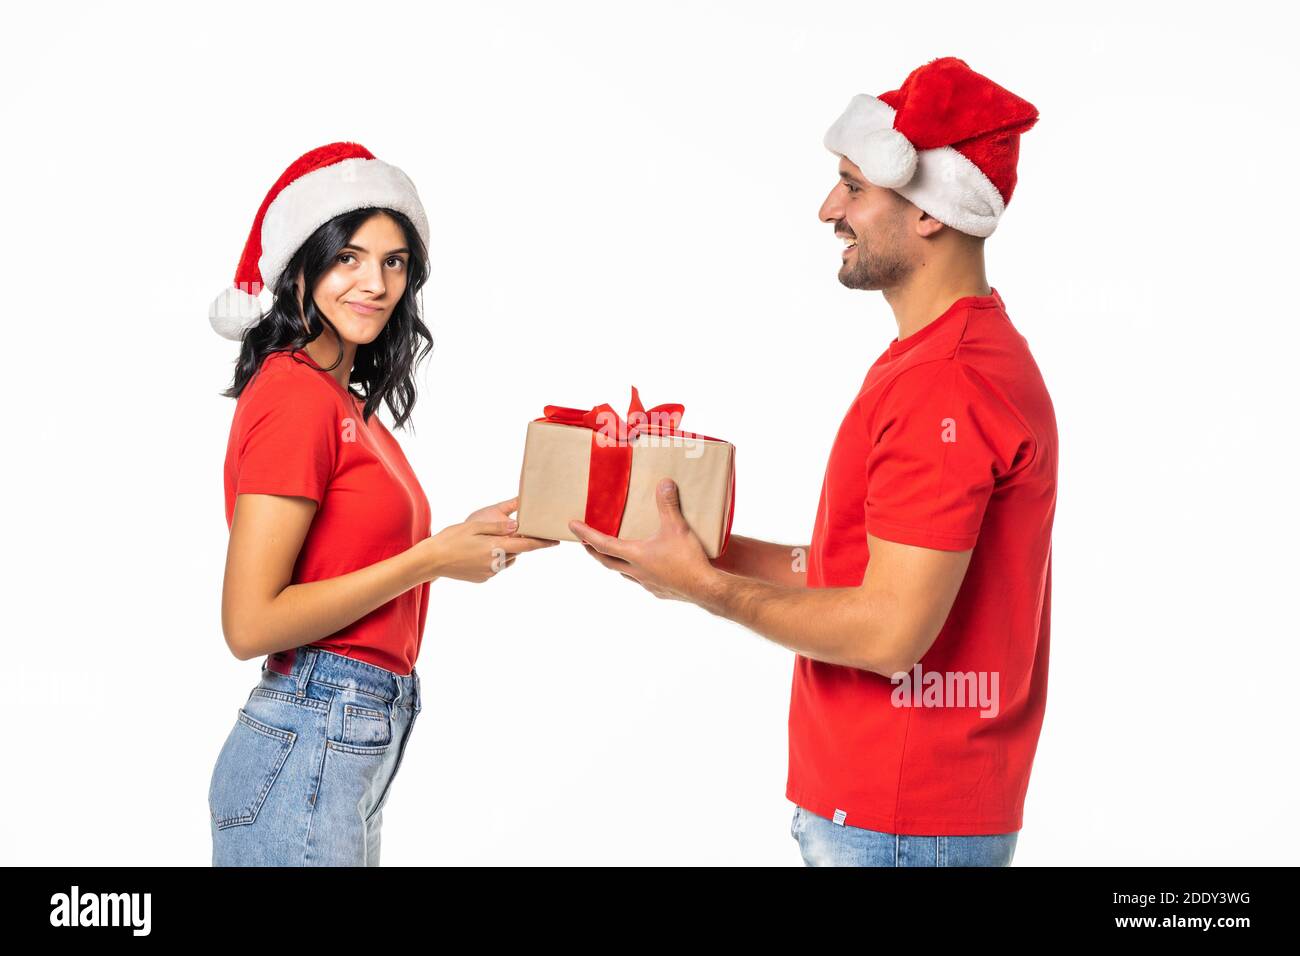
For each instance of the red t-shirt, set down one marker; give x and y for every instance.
(297, 431)
(950, 444)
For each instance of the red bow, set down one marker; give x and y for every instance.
(611, 454)
(660, 420)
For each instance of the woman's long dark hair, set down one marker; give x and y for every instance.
(383, 368)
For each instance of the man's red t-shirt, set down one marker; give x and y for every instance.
(297, 431)
(950, 444)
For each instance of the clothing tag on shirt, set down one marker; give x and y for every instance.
(838, 819)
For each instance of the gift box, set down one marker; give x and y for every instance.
(590, 464)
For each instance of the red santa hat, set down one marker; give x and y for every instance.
(317, 186)
(947, 140)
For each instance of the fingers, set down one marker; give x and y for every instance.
(503, 526)
(499, 562)
(614, 564)
(508, 507)
(518, 544)
(670, 503)
(602, 542)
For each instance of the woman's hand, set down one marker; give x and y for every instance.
(480, 546)
(501, 511)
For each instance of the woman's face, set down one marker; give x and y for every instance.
(367, 280)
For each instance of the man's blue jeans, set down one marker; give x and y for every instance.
(824, 843)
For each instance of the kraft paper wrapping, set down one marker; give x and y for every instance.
(553, 483)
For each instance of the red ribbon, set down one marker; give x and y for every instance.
(611, 454)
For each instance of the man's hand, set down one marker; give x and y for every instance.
(671, 564)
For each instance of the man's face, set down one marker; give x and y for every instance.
(880, 249)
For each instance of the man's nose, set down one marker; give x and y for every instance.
(832, 209)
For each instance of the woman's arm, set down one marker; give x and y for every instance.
(261, 612)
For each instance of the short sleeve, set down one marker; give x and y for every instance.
(289, 438)
(941, 440)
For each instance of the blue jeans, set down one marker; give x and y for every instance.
(824, 843)
(306, 769)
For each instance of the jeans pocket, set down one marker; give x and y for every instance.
(246, 769)
(366, 727)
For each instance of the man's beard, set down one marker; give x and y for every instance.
(873, 271)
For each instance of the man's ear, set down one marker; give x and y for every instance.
(927, 225)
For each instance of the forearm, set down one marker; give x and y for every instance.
(306, 612)
(765, 561)
(837, 625)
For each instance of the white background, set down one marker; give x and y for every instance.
(627, 195)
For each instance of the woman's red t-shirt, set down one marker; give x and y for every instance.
(297, 431)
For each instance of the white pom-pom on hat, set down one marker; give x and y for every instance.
(234, 311)
(888, 158)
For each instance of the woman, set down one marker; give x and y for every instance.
(330, 555)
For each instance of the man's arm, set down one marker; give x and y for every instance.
(885, 625)
(773, 563)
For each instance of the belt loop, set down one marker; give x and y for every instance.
(392, 708)
(308, 659)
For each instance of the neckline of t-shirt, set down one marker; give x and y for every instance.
(333, 381)
(990, 301)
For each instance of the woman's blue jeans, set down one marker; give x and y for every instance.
(825, 843)
(306, 769)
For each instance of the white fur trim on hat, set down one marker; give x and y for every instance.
(314, 198)
(940, 181)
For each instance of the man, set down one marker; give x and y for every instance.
(922, 628)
